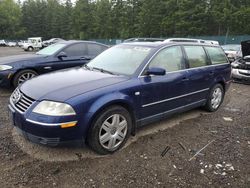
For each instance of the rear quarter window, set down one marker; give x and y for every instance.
(217, 55)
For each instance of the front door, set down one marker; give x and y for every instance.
(76, 56)
(161, 94)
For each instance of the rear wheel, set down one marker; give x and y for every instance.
(110, 130)
(23, 76)
(215, 98)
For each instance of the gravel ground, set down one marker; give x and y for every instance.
(224, 161)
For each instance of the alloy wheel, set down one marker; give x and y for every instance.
(26, 76)
(216, 98)
(113, 132)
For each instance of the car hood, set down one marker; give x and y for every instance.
(17, 58)
(245, 47)
(65, 84)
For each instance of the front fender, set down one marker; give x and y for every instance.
(115, 98)
(111, 99)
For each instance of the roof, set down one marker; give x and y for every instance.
(162, 44)
(80, 41)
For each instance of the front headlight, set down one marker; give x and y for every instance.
(51, 108)
(5, 67)
(234, 65)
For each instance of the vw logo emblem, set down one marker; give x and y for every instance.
(16, 96)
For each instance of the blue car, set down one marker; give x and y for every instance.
(14, 70)
(125, 87)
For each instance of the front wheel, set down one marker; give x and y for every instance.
(110, 130)
(23, 76)
(215, 98)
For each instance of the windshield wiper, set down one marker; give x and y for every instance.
(87, 67)
(103, 70)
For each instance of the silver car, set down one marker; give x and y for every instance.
(241, 67)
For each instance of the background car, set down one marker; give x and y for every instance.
(241, 67)
(52, 41)
(11, 44)
(231, 51)
(143, 40)
(3, 43)
(14, 70)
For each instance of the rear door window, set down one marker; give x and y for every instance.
(170, 59)
(76, 50)
(217, 55)
(196, 56)
(95, 49)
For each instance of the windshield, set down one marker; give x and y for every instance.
(122, 59)
(231, 47)
(50, 50)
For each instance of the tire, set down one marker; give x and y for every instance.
(30, 48)
(20, 76)
(214, 103)
(113, 137)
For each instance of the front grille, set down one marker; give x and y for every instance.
(21, 101)
(244, 65)
(244, 73)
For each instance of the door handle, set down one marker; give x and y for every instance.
(211, 73)
(85, 58)
(47, 68)
(185, 79)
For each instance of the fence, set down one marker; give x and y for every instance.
(236, 39)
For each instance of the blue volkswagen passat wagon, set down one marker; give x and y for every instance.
(125, 87)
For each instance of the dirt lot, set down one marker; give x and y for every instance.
(225, 162)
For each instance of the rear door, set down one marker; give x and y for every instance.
(76, 56)
(95, 49)
(220, 64)
(200, 73)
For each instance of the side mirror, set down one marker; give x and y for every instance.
(61, 55)
(156, 71)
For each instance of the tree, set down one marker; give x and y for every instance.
(83, 19)
(10, 15)
(150, 18)
(102, 20)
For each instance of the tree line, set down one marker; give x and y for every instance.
(106, 19)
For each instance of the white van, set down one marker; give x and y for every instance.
(34, 43)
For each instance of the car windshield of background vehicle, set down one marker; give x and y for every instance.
(50, 50)
(122, 59)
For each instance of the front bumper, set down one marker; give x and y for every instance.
(241, 75)
(42, 133)
(5, 78)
